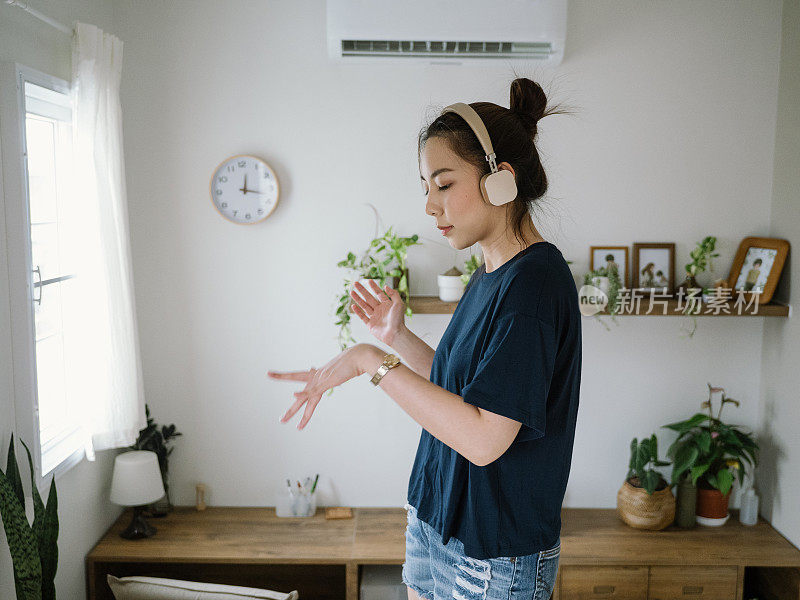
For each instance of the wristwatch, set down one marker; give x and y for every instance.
(390, 361)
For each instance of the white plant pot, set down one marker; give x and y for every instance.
(451, 288)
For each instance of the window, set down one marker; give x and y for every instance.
(50, 230)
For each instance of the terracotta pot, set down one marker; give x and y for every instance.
(711, 503)
(640, 510)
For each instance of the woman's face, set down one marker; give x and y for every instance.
(453, 195)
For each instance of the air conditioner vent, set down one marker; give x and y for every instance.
(416, 48)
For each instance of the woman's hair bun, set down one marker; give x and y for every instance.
(528, 101)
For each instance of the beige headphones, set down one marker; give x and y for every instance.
(497, 187)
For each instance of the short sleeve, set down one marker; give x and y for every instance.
(514, 373)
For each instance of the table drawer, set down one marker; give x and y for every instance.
(695, 583)
(603, 583)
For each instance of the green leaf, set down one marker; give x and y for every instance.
(48, 546)
(683, 426)
(12, 472)
(697, 471)
(684, 460)
(651, 479)
(38, 505)
(704, 441)
(21, 542)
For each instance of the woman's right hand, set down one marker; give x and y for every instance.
(384, 315)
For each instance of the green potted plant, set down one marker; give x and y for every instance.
(608, 280)
(701, 256)
(385, 258)
(156, 440)
(34, 548)
(645, 500)
(712, 453)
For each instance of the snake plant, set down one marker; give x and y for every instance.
(34, 548)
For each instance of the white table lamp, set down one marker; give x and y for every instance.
(137, 482)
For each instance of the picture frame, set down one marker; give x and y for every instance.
(653, 267)
(757, 266)
(598, 257)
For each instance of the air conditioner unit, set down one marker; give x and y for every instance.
(446, 31)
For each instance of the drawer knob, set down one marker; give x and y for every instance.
(603, 589)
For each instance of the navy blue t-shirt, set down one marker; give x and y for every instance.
(512, 347)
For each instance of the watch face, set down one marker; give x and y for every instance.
(244, 189)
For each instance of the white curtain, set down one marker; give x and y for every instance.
(110, 389)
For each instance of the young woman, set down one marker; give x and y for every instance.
(498, 398)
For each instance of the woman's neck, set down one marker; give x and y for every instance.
(506, 247)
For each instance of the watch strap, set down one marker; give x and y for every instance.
(389, 362)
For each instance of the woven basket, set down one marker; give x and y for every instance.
(640, 510)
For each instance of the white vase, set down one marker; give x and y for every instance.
(451, 288)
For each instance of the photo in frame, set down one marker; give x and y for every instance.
(654, 267)
(605, 256)
(757, 267)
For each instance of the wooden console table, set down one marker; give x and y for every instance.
(601, 557)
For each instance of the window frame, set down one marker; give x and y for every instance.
(67, 444)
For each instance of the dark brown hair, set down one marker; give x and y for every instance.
(512, 131)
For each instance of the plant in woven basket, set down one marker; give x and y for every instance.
(34, 548)
(707, 449)
(644, 456)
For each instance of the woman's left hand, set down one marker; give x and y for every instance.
(339, 369)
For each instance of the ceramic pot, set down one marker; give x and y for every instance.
(641, 510)
(451, 288)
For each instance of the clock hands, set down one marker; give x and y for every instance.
(244, 189)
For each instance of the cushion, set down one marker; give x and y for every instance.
(160, 588)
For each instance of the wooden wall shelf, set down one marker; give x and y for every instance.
(432, 305)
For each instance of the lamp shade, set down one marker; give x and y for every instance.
(136, 479)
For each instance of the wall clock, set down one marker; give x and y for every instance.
(244, 189)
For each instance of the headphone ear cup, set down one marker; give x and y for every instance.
(499, 188)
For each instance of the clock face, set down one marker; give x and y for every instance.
(244, 189)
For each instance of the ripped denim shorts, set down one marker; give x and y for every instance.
(436, 571)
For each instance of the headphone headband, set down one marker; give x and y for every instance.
(475, 122)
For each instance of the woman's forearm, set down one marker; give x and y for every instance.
(443, 414)
(415, 353)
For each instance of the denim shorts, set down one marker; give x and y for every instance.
(436, 571)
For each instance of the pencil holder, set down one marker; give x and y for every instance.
(296, 503)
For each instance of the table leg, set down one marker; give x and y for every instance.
(352, 581)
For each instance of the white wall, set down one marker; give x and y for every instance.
(780, 380)
(84, 511)
(674, 141)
